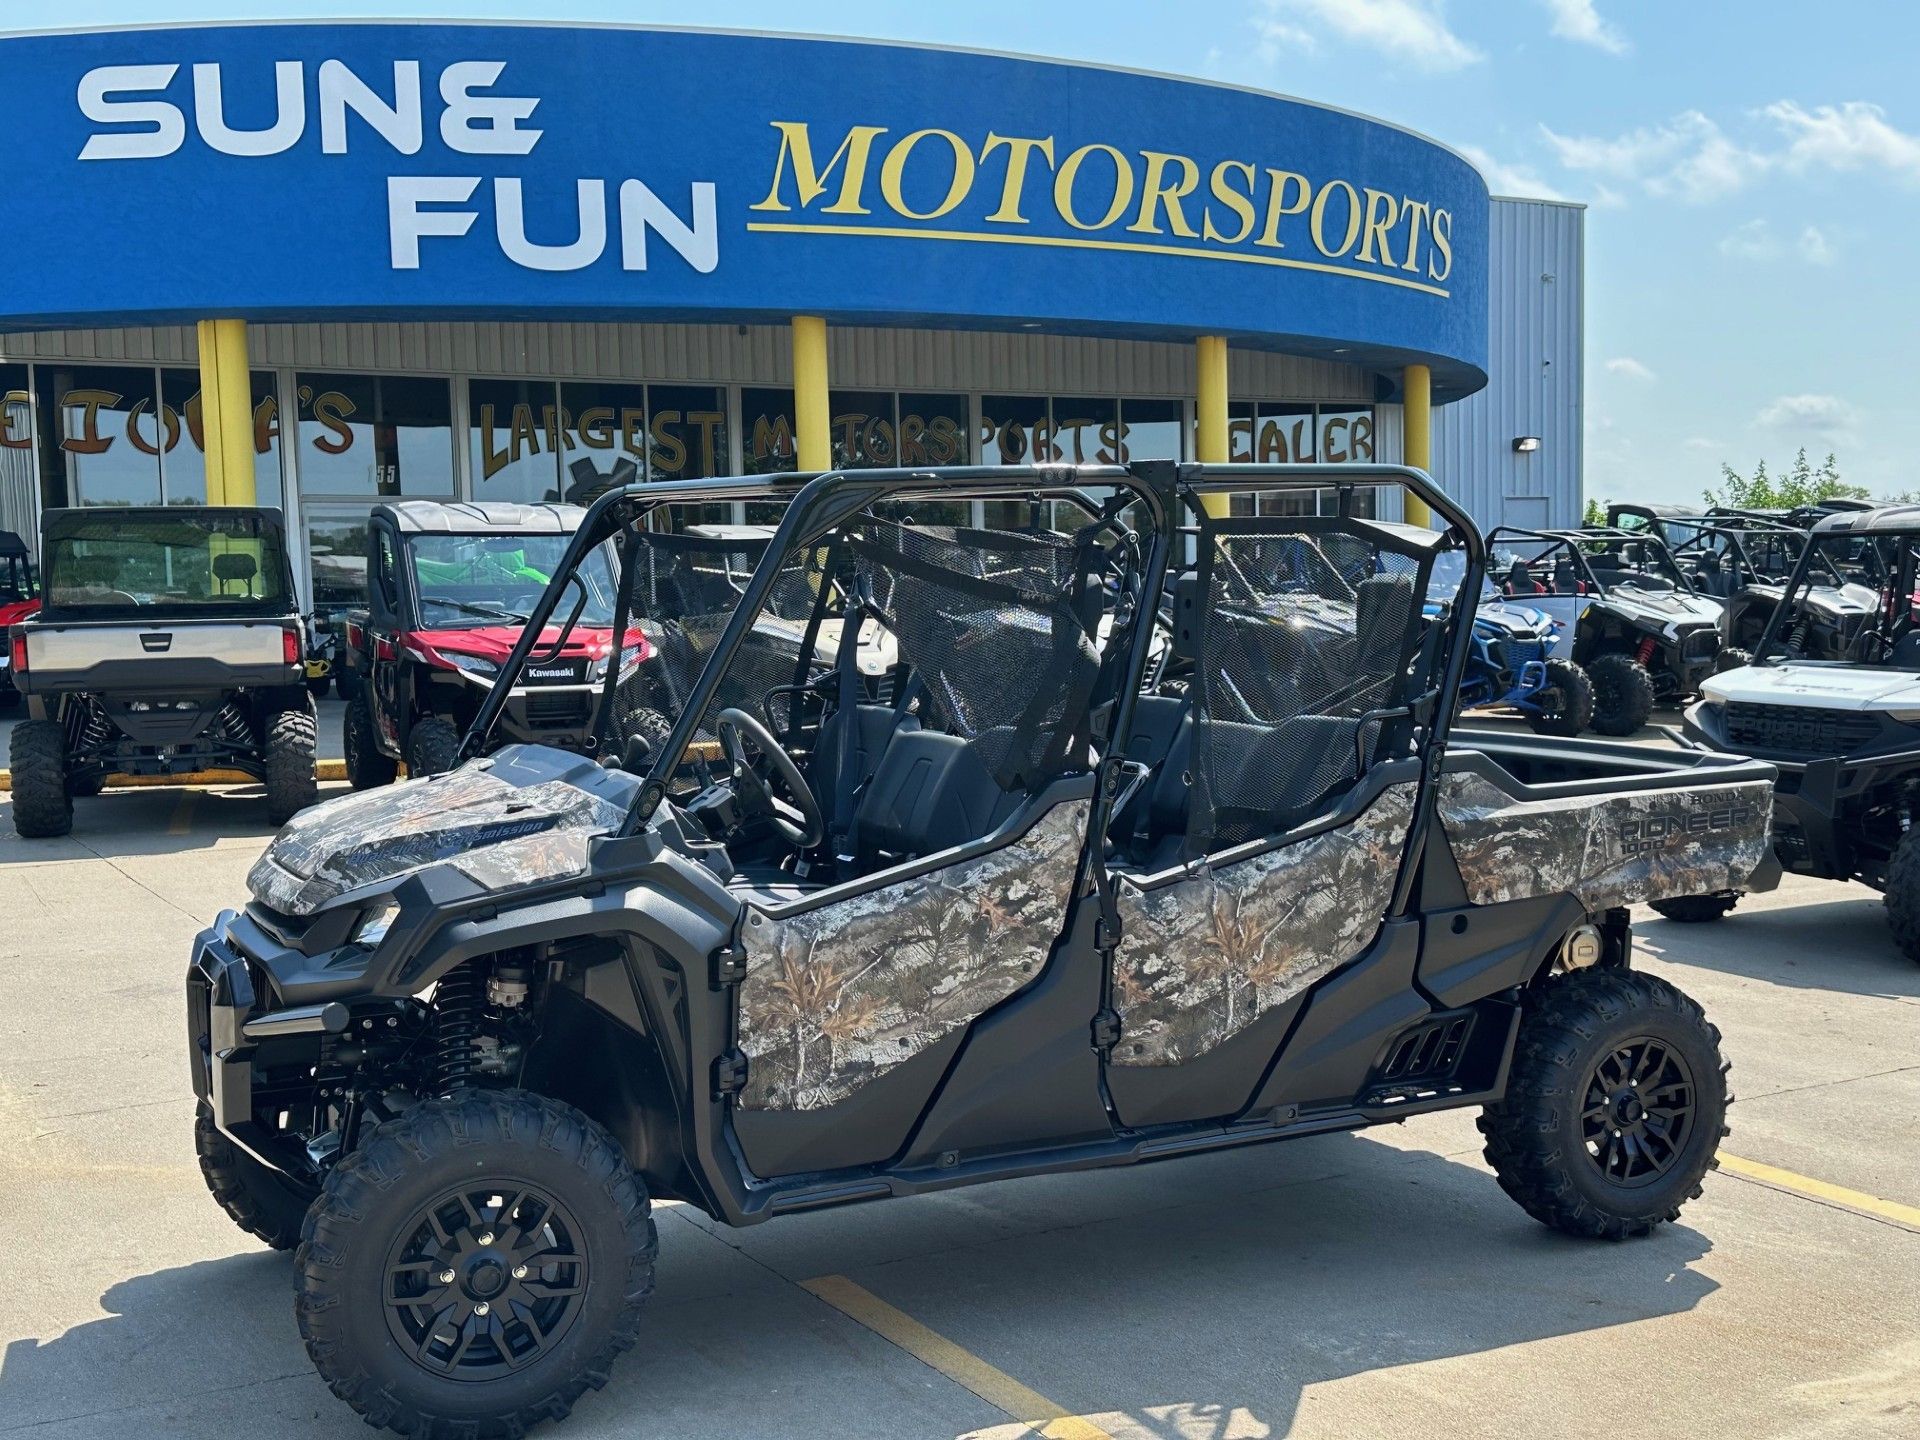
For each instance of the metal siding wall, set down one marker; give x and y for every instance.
(1535, 375)
(860, 357)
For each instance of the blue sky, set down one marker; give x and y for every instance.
(1753, 172)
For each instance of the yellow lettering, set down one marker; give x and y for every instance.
(1382, 211)
(492, 461)
(596, 427)
(89, 441)
(1070, 168)
(1234, 200)
(1327, 431)
(1442, 242)
(524, 439)
(1019, 151)
(1317, 221)
(8, 402)
(894, 168)
(1156, 193)
(331, 409)
(708, 423)
(810, 183)
(1277, 207)
(1416, 215)
(669, 450)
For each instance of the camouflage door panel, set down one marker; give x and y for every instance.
(837, 996)
(1203, 958)
(1606, 850)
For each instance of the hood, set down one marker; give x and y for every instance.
(523, 815)
(496, 642)
(1515, 620)
(1822, 687)
(1670, 609)
(1843, 599)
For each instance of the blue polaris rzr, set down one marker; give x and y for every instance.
(1508, 666)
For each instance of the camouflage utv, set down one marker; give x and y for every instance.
(1023, 903)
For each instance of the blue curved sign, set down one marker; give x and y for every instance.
(413, 171)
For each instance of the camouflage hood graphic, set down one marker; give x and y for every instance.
(523, 815)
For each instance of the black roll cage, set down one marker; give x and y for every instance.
(818, 502)
(1891, 583)
(1572, 540)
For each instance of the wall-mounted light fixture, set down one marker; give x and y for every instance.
(1526, 444)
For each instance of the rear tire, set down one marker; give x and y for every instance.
(1903, 892)
(1622, 694)
(262, 1202)
(1696, 909)
(433, 747)
(367, 767)
(37, 753)
(1596, 1136)
(1573, 711)
(424, 1191)
(287, 757)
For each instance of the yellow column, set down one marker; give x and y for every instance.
(1210, 410)
(1416, 381)
(226, 412)
(812, 419)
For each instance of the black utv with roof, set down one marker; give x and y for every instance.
(168, 642)
(1020, 909)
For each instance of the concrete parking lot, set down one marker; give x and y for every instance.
(1360, 1285)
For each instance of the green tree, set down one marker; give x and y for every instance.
(1595, 513)
(1800, 484)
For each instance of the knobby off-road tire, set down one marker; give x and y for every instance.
(1560, 1105)
(464, 1162)
(1696, 909)
(287, 757)
(262, 1202)
(37, 753)
(1903, 888)
(367, 767)
(1622, 694)
(1574, 711)
(433, 746)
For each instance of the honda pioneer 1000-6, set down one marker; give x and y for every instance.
(1844, 731)
(1017, 910)
(1630, 618)
(168, 641)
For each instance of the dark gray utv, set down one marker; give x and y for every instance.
(168, 641)
(1009, 907)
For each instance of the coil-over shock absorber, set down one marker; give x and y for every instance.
(457, 1001)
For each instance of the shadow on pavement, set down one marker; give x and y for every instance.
(1842, 945)
(150, 820)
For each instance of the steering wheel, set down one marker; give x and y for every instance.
(801, 823)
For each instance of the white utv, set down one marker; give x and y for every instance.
(1844, 732)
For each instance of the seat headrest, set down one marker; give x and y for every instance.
(235, 565)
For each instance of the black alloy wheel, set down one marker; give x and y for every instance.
(1637, 1112)
(483, 1281)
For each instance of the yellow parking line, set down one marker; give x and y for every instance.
(182, 821)
(996, 1387)
(1820, 1190)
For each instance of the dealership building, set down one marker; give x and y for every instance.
(318, 266)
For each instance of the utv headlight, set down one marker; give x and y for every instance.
(629, 660)
(375, 921)
(474, 665)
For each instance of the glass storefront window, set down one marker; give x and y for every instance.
(183, 422)
(933, 429)
(767, 418)
(19, 476)
(100, 434)
(603, 439)
(376, 435)
(1086, 430)
(1346, 433)
(513, 440)
(1284, 435)
(688, 429)
(1013, 430)
(1152, 430)
(337, 555)
(863, 430)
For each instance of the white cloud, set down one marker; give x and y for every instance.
(1852, 136)
(1754, 240)
(1631, 368)
(1814, 414)
(1689, 157)
(1578, 21)
(1504, 179)
(1411, 30)
(1815, 247)
(1701, 442)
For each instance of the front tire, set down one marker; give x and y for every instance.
(42, 805)
(287, 757)
(262, 1202)
(1615, 1106)
(367, 767)
(1622, 694)
(532, 1317)
(1571, 707)
(433, 747)
(1696, 909)
(1903, 892)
